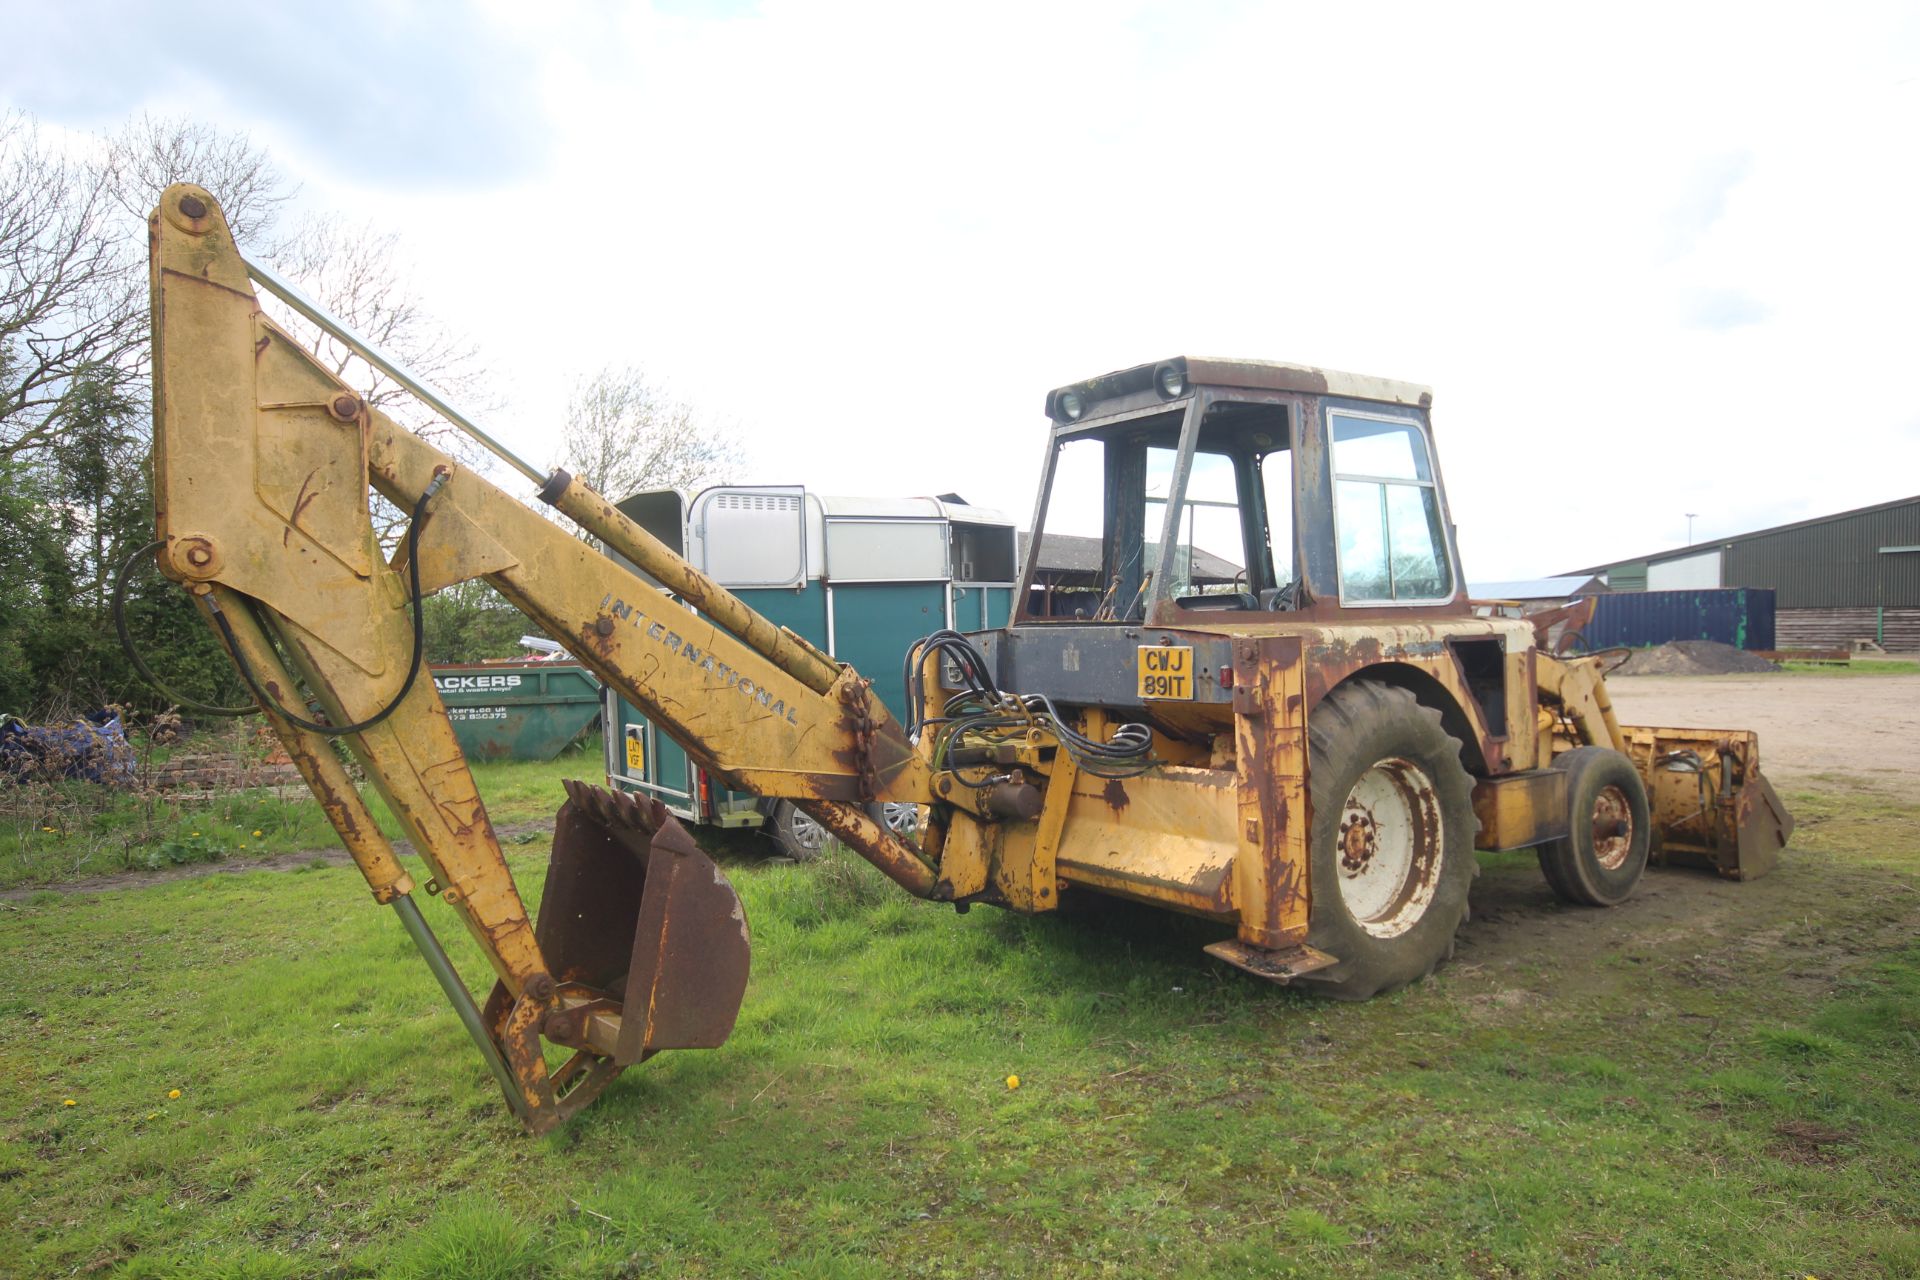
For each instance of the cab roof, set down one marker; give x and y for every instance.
(1261, 375)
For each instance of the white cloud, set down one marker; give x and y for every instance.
(1653, 260)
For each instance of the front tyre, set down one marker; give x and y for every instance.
(1392, 842)
(1608, 829)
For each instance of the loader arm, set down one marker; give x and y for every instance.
(262, 466)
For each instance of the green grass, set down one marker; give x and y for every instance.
(71, 830)
(1858, 667)
(1719, 1081)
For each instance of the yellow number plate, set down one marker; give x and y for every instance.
(636, 751)
(1166, 671)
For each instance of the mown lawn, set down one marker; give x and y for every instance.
(1715, 1080)
(73, 830)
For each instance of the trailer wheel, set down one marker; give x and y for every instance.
(802, 839)
(1392, 842)
(799, 836)
(1609, 831)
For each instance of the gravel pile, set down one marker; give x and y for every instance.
(1693, 658)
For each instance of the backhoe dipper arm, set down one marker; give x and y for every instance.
(262, 462)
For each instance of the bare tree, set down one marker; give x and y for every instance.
(69, 292)
(623, 433)
(73, 256)
(354, 272)
(151, 153)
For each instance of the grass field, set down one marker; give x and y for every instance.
(1715, 1080)
(54, 833)
(1858, 667)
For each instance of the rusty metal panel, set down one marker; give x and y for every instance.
(1168, 837)
(1270, 744)
(1521, 809)
(1711, 805)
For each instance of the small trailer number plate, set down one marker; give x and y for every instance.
(636, 750)
(1166, 671)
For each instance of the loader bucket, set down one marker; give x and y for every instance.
(1711, 804)
(634, 910)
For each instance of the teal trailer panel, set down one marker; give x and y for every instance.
(874, 623)
(977, 608)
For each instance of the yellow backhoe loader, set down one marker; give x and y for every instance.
(1263, 700)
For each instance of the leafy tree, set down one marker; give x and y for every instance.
(469, 622)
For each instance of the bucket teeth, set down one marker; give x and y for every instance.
(617, 809)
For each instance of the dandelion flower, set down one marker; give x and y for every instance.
(194, 834)
(68, 1102)
(173, 1093)
(153, 1115)
(256, 835)
(1013, 1082)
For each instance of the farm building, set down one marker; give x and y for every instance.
(1836, 579)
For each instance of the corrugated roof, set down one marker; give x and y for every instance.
(1712, 543)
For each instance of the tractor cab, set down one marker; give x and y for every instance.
(1210, 493)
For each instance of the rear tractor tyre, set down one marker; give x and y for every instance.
(1608, 833)
(1392, 842)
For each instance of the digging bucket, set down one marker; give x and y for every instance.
(1711, 804)
(635, 911)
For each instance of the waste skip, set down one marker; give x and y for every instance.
(517, 710)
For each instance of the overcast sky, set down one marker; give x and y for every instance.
(1652, 260)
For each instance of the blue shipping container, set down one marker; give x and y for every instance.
(1739, 616)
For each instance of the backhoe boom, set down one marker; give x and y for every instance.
(262, 465)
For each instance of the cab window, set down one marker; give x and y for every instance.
(1392, 542)
(1208, 556)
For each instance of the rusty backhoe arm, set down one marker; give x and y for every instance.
(262, 465)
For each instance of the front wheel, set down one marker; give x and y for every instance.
(1392, 843)
(1604, 852)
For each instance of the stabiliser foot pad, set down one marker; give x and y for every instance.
(1281, 966)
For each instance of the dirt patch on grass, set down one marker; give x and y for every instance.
(1807, 926)
(1805, 1142)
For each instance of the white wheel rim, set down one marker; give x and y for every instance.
(1388, 848)
(806, 833)
(902, 819)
